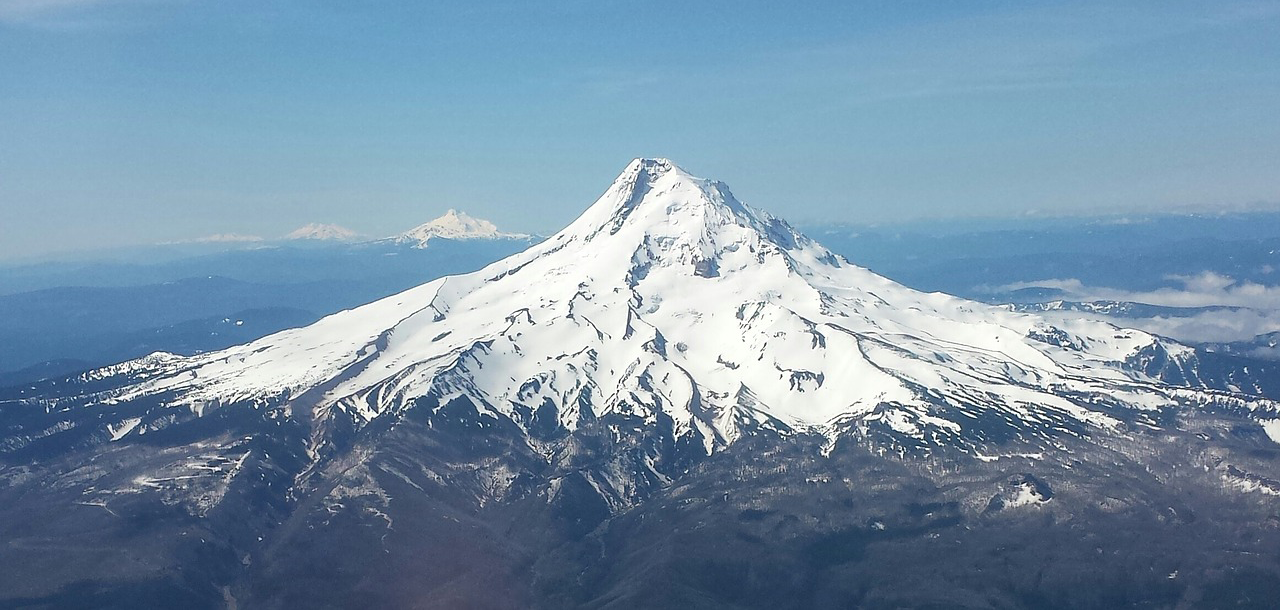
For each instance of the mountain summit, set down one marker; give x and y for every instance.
(452, 225)
(319, 231)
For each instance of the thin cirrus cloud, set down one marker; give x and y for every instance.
(25, 9)
(55, 14)
(1019, 50)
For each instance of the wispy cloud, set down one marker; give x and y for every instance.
(61, 14)
(18, 10)
(1027, 48)
(613, 83)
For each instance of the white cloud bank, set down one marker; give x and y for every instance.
(1204, 289)
(1258, 313)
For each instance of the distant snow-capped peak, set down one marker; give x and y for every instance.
(452, 225)
(323, 232)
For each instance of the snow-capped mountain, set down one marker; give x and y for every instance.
(320, 231)
(669, 298)
(676, 401)
(452, 225)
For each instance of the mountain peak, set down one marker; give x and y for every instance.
(653, 166)
(654, 196)
(453, 224)
(322, 231)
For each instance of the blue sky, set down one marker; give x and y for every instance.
(136, 121)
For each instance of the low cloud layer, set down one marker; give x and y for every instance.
(1220, 326)
(1204, 289)
(1259, 313)
(219, 238)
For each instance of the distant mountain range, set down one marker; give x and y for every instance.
(452, 224)
(97, 313)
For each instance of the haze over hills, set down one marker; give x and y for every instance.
(678, 400)
(1089, 262)
(450, 225)
(102, 311)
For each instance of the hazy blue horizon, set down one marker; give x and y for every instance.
(136, 121)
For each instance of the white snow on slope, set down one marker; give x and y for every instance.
(670, 297)
(1272, 428)
(122, 429)
(1026, 494)
(452, 225)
